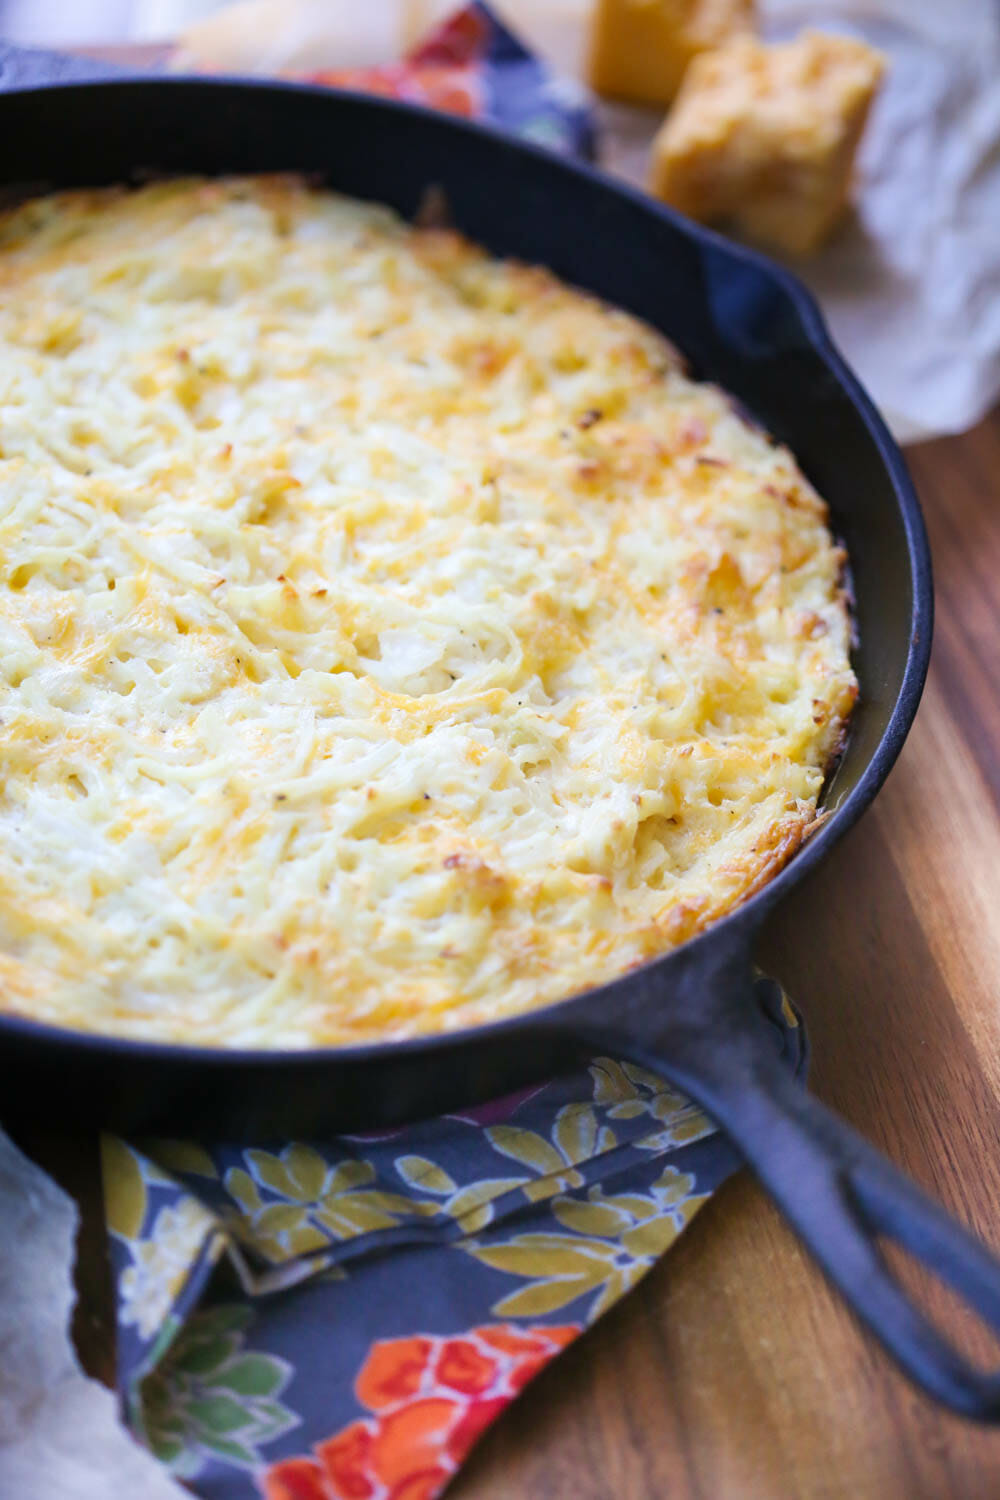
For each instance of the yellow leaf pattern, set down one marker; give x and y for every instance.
(308, 1170)
(472, 1207)
(295, 1202)
(575, 1138)
(527, 1147)
(612, 1242)
(272, 1172)
(317, 1205)
(124, 1188)
(588, 1217)
(285, 1214)
(575, 1132)
(627, 1091)
(350, 1174)
(418, 1172)
(181, 1156)
(355, 1213)
(538, 1299)
(243, 1188)
(561, 1257)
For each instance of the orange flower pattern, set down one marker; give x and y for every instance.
(430, 1399)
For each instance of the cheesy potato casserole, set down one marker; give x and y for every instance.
(392, 638)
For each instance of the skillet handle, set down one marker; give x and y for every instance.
(840, 1195)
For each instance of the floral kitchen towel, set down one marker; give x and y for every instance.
(340, 1320)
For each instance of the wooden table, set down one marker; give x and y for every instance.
(732, 1372)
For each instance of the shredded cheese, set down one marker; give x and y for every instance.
(391, 638)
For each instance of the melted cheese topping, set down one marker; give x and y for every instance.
(391, 638)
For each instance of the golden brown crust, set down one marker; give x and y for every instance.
(392, 638)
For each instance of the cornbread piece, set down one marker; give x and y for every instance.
(391, 637)
(763, 139)
(640, 48)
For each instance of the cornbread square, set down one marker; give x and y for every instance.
(763, 138)
(639, 49)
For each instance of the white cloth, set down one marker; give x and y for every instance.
(911, 288)
(60, 1438)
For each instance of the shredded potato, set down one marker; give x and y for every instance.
(391, 638)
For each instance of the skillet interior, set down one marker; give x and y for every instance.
(740, 322)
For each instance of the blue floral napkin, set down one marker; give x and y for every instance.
(341, 1319)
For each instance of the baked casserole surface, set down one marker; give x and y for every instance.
(392, 638)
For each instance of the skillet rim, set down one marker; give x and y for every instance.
(748, 914)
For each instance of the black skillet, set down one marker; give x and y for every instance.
(691, 1016)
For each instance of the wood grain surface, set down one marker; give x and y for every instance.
(732, 1372)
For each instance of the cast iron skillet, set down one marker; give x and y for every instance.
(691, 1016)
